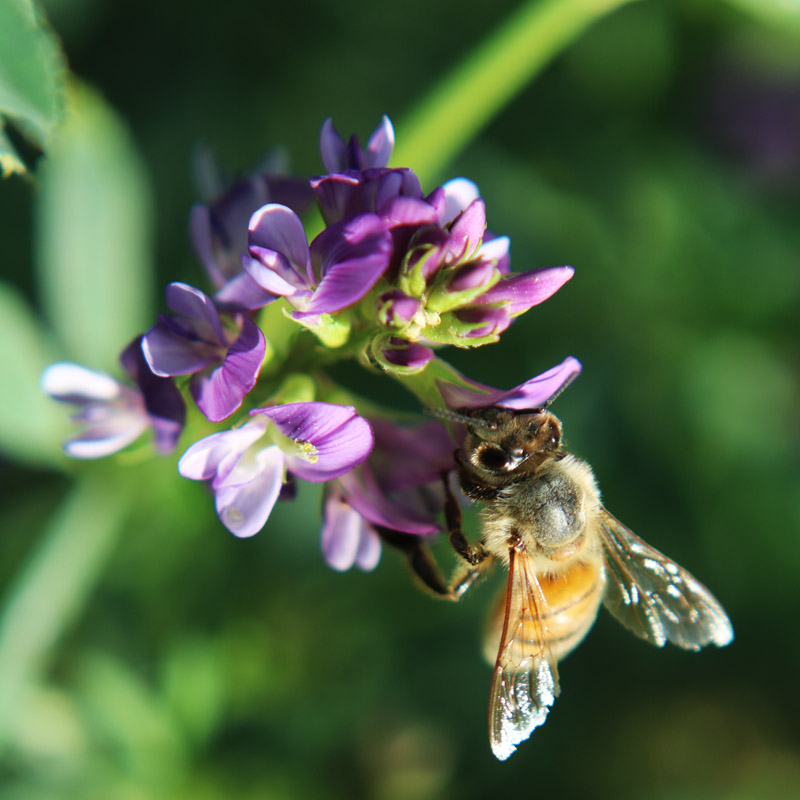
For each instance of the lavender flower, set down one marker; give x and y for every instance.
(398, 487)
(247, 466)
(219, 234)
(342, 264)
(112, 414)
(223, 355)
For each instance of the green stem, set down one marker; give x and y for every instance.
(468, 98)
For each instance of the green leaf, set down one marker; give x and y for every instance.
(32, 71)
(94, 248)
(29, 428)
(53, 585)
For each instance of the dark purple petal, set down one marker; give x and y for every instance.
(405, 354)
(332, 147)
(339, 437)
(244, 508)
(278, 228)
(411, 211)
(242, 293)
(202, 236)
(523, 290)
(534, 393)
(162, 399)
(364, 495)
(472, 275)
(199, 310)
(221, 391)
(486, 320)
(352, 256)
(170, 352)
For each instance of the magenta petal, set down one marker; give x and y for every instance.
(523, 290)
(267, 269)
(400, 211)
(340, 438)
(244, 509)
(221, 391)
(467, 231)
(534, 393)
(459, 193)
(409, 355)
(169, 352)
(276, 227)
(198, 308)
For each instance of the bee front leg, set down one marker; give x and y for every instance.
(419, 558)
(472, 554)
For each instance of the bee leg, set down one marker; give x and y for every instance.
(472, 554)
(465, 579)
(471, 489)
(419, 558)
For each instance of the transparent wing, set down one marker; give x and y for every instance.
(525, 680)
(654, 597)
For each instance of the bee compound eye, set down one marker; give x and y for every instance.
(493, 458)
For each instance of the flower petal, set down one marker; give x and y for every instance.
(170, 352)
(244, 509)
(523, 290)
(534, 393)
(369, 549)
(332, 147)
(216, 455)
(162, 399)
(467, 232)
(271, 272)
(341, 438)
(198, 308)
(352, 255)
(243, 293)
(102, 439)
(459, 193)
(380, 145)
(341, 534)
(72, 383)
(276, 227)
(221, 391)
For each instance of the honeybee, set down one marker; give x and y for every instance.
(543, 519)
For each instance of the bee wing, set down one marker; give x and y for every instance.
(654, 597)
(525, 680)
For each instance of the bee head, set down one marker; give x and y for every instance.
(500, 440)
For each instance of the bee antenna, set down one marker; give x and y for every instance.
(454, 416)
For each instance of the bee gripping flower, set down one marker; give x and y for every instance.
(112, 414)
(246, 468)
(224, 356)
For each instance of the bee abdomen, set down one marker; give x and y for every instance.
(572, 599)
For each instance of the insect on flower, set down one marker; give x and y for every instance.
(565, 554)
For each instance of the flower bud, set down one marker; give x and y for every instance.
(395, 309)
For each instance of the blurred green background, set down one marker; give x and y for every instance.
(146, 653)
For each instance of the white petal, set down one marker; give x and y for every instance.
(217, 454)
(459, 193)
(244, 509)
(72, 383)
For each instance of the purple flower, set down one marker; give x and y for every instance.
(398, 487)
(246, 469)
(534, 393)
(114, 415)
(401, 355)
(342, 264)
(338, 156)
(219, 233)
(520, 291)
(224, 356)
